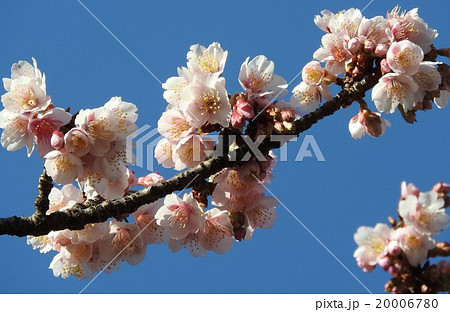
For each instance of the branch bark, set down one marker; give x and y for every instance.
(99, 210)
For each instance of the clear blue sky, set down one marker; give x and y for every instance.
(357, 185)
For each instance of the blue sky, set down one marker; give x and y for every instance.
(358, 184)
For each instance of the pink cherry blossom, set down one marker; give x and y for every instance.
(205, 100)
(127, 243)
(334, 52)
(191, 242)
(26, 90)
(257, 78)
(216, 234)
(175, 85)
(150, 179)
(372, 243)
(425, 213)
(374, 30)
(394, 89)
(209, 60)
(152, 233)
(64, 198)
(16, 133)
(174, 126)
(42, 126)
(180, 216)
(63, 167)
(77, 142)
(309, 97)
(191, 151)
(163, 153)
(404, 57)
(414, 245)
(57, 139)
(409, 26)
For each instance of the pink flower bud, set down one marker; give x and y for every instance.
(244, 109)
(394, 248)
(287, 115)
(385, 68)
(381, 50)
(237, 120)
(409, 189)
(384, 262)
(353, 45)
(365, 267)
(441, 187)
(150, 179)
(57, 139)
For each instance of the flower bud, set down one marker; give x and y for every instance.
(441, 187)
(384, 262)
(237, 120)
(244, 109)
(287, 115)
(150, 179)
(394, 248)
(381, 50)
(385, 68)
(57, 139)
(354, 45)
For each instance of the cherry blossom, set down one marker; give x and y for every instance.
(180, 216)
(150, 179)
(209, 60)
(174, 126)
(409, 26)
(216, 234)
(191, 151)
(127, 243)
(424, 213)
(64, 198)
(205, 100)
(392, 90)
(63, 167)
(372, 243)
(414, 244)
(16, 133)
(151, 232)
(175, 85)
(257, 78)
(404, 57)
(26, 90)
(308, 97)
(42, 126)
(334, 52)
(191, 242)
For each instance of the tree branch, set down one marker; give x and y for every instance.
(100, 210)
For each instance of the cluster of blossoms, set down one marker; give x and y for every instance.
(403, 250)
(398, 48)
(89, 149)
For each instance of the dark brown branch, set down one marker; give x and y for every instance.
(98, 211)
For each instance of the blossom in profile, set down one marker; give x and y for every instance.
(367, 122)
(410, 26)
(209, 60)
(425, 213)
(16, 132)
(372, 243)
(26, 89)
(257, 78)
